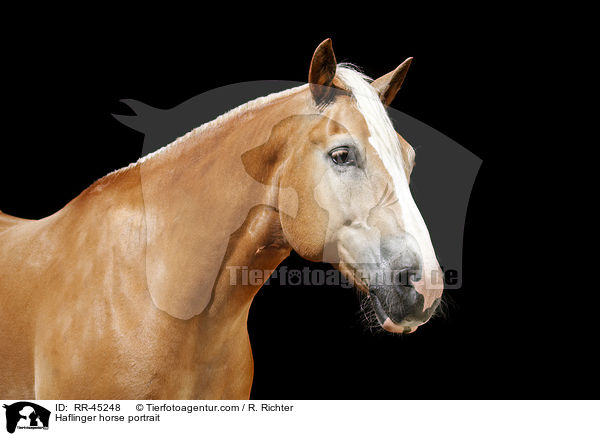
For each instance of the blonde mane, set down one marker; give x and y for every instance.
(236, 112)
(257, 103)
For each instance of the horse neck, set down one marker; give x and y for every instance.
(207, 220)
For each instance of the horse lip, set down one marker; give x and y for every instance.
(385, 321)
(379, 312)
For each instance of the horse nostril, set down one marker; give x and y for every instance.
(408, 275)
(415, 275)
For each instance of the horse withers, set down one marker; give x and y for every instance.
(127, 291)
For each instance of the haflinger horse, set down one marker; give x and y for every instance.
(130, 291)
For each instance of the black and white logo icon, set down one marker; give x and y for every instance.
(26, 415)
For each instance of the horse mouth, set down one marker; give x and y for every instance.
(385, 320)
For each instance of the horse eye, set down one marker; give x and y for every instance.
(343, 156)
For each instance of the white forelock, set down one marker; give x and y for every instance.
(384, 138)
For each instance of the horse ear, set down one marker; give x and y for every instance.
(322, 71)
(388, 86)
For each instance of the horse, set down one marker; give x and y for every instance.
(133, 291)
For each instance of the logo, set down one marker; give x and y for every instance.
(26, 415)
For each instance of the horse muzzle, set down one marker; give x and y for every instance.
(394, 275)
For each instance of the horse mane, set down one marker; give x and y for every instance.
(230, 115)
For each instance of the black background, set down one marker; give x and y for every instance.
(511, 331)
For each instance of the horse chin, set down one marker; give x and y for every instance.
(391, 326)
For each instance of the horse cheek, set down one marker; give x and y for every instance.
(305, 231)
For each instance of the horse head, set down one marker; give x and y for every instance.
(354, 209)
